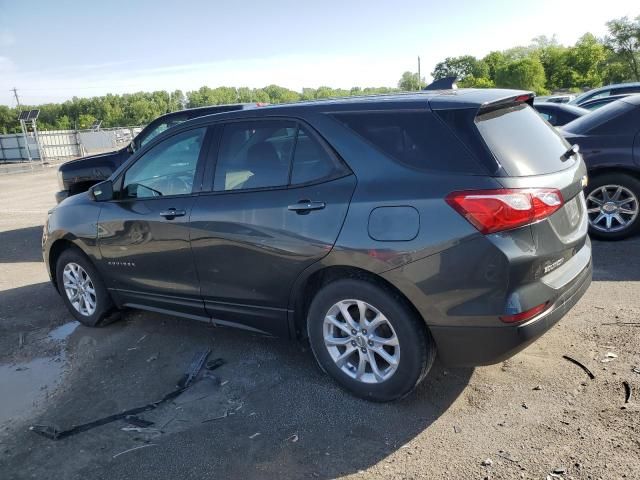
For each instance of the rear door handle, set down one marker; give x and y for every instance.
(305, 206)
(172, 213)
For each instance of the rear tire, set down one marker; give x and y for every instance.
(397, 350)
(82, 289)
(600, 195)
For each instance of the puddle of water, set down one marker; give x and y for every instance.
(24, 385)
(62, 332)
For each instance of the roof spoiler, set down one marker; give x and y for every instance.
(524, 97)
(446, 83)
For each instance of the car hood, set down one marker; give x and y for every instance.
(92, 158)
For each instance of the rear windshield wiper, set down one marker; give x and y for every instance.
(574, 149)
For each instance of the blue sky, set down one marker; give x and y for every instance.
(53, 50)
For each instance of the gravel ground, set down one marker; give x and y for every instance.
(270, 413)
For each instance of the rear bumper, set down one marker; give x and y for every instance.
(474, 346)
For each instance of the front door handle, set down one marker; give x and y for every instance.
(172, 213)
(305, 206)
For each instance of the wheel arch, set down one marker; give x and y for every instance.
(307, 287)
(619, 169)
(57, 247)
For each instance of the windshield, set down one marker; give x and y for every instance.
(155, 129)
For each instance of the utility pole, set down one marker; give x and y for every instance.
(23, 126)
(419, 78)
(15, 94)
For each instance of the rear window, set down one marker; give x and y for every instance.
(522, 142)
(414, 138)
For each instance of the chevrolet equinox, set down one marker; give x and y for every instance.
(385, 229)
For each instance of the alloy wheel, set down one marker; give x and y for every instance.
(79, 289)
(612, 208)
(361, 341)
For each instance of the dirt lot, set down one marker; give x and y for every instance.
(532, 415)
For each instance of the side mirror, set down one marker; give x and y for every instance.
(131, 148)
(103, 191)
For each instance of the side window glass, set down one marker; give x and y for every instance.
(161, 127)
(254, 154)
(311, 161)
(602, 94)
(169, 168)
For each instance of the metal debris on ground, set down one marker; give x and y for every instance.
(507, 456)
(213, 364)
(627, 391)
(196, 365)
(137, 421)
(293, 438)
(581, 365)
(254, 435)
(152, 358)
(135, 448)
(54, 433)
(635, 369)
(609, 357)
(20, 339)
(225, 415)
(487, 462)
(155, 431)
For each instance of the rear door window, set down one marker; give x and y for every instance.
(521, 142)
(312, 162)
(255, 154)
(414, 138)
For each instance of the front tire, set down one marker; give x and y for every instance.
(369, 339)
(613, 206)
(82, 289)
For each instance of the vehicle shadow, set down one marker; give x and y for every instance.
(616, 261)
(21, 245)
(276, 415)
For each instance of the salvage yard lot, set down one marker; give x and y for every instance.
(270, 412)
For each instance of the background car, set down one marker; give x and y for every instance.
(78, 175)
(615, 89)
(566, 98)
(558, 114)
(609, 140)
(382, 228)
(596, 103)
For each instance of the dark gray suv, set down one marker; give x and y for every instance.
(384, 229)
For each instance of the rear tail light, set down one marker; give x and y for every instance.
(492, 211)
(526, 315)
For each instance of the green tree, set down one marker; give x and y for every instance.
(586, 59)
(472, 82)
(8, 119)
(525, 73)
(410, 82)
(494, 60)
(85, 121)
(460, 67)
(624, 40)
